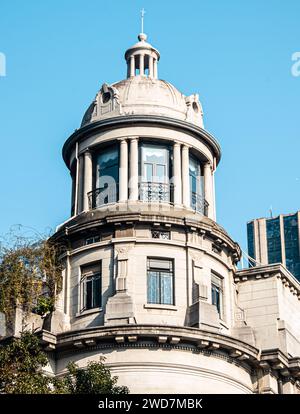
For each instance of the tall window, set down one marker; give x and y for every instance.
(107, 176)
(291, 239)
(251, 243)
(196, 200)
(91, 286)
(217, 293)
(155, 173)
(274, 240)
(160, 281)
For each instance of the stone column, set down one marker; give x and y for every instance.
(80, 184)
(133, 170)
(208, 189)
(142, 60)
(214, 194)
(155, 69)
(177, 174)
(132, 66)
(150, 67)
(88, 178)
(123, 171)
(185, 176)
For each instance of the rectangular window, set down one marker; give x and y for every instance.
(91, 286)
(107, 176)
(196, 185)
(291, 239)
(160, 281)
(91, 240)
(154, 169)
(274, 241)
(251, 243)
(217, 293)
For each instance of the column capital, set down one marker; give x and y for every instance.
(132, 138)
(87, 151)
(208, 164)
(177, 143)
(122, 140)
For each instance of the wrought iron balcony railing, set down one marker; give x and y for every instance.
(199, 204)
(156, 192)
(101, 196)
(148, 192)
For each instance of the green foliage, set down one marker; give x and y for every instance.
(45, 304)
(30, 275)
(95, 379)
(21, 361)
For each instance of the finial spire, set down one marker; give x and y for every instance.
(142, 19)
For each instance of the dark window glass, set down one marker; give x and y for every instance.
(291, 239)
(216, 297)
(107, 176)
(274, 241)
(251, 243)
(91, 286)
(217, 293)
(160, 285)
(197, 201)
(94, 239)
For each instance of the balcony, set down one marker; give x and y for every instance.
(102, 196)
(156, 192)
(149, 192)
(199, 204)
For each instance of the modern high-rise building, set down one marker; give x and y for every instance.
(150, 279)
(275, 240)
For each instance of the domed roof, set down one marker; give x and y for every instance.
(142, 93)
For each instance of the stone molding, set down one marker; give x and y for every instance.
(98, 218)
(117, 122)
(208, 343)
(268, 271)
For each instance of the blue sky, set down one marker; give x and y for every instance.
(235, 54)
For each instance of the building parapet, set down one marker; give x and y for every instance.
(267, 271)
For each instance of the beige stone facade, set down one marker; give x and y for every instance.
(166, 304)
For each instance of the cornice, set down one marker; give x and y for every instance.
(97, 218)
(184, 338)
(267, 271)
(124, 120)
(212, 344)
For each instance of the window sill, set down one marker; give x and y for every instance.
(160, 306)
(88, 312)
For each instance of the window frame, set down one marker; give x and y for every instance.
(217, 284)
(97, 172)
(144, 162)
(161, 270)
(89, 272)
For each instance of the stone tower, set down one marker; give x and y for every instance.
(150, 278)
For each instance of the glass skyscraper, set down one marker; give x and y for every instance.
(275, 240)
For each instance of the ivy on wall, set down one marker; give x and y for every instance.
(30, 276)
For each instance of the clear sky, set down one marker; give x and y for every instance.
(235, 54)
